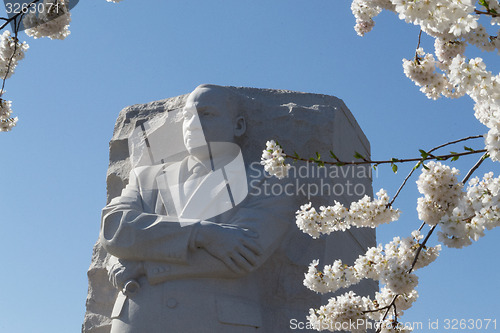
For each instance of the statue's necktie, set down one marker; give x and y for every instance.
(197, 175)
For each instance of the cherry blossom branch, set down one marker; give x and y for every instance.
(429, 152)
(404, 160)
(489, 13)
(11, 59)
(422, 245)
(418, 44)
(387, 308)
(425, 156)
(424, 242)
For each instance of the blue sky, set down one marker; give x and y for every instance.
(67, 95)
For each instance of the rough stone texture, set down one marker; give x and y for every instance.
(300, 122)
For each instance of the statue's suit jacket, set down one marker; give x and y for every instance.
(185, 288)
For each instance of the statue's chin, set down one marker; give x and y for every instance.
(200, 152)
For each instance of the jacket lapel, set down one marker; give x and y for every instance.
(211, 198)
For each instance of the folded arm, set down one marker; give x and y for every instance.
(127, 232)
(173, 249)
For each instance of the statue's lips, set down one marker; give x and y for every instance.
(194, 137)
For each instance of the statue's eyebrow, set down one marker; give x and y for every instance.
(203, 108)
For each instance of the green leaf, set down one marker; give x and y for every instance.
(318, 156)
(468, 148)
(333, 155)
(484, 4)
(394, 168)
(454, 158)
(423, 153)
(358, 155)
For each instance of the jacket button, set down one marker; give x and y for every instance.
(171, 303)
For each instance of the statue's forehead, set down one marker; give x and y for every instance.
(208, 96)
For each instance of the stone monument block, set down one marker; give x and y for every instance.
(264, 291)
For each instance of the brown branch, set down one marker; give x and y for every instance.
(438, 157)
(456, 141)
(474, 168)
(489, 13)
(430, 151)
(392, 304)
(431, 230)
(418, 44)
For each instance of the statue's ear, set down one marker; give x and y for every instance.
(240, 126)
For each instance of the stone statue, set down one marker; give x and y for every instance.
(200, 240)
(194, 250)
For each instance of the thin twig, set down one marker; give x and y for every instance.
(421, 226)
(393, 304)
(431, 230)
(11, 59)
(474, 168)
(387, 312)
(404, 160)
(456, 141)
(376, 310)
(486, 13)
(430, 151)
(418, 44)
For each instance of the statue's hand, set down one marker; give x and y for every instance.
(124, 271)
(235, 247)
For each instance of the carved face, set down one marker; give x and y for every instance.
(208, 117)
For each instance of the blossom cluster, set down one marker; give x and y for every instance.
(441, 190)
(362, 213)
(273, 160)
(438, 18)
(392, 265)
(479, 210)
(471, 77)
(52, 23)
(11, 51)
(463, 216)
(6, 121)
(341, 312)
(454, 25)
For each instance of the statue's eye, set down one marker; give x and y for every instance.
(187, 115)
(206, 112)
